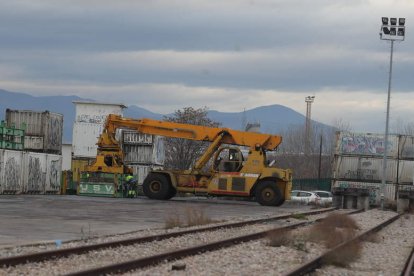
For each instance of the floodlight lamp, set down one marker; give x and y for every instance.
(393, 31)
(385, 21)
(401, 21)
(385, 30)
(393, 21)
(401, 31)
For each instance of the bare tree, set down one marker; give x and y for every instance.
(315, 159)
(182, 153)
(402, 127)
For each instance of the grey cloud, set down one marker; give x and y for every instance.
(59, 40)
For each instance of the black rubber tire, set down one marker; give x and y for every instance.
(281, 201)
(268, 194)
(172, 193)
(157, 186)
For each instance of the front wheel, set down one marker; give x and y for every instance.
(268, 194)
(157, 186)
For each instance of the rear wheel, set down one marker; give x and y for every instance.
(268, 194)
(157, 186)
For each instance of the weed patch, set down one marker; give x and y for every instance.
(190, 217)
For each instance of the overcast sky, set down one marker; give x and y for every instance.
(227, 55)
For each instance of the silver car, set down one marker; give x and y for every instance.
(325, 197)
(304, 197)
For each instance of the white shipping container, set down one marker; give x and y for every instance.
(33, 121)
(406, 147)
(145, 154)
(95, 112)
(365, 144)
(33, 143)
(373, 188)
(140, 172)
(35, 172)
(85, 137)
(11, 170)
(45, 124)
(364, 169)
(53, 173)
(405, 172)
(135, 138)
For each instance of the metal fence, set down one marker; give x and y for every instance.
(323, 184)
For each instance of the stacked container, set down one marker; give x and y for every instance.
(29, 172)
(358, 164)
(11, 137)
(43, 130)
(142, 152)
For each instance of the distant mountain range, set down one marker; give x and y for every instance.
(272, 118)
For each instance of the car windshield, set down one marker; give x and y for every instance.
(323, 194)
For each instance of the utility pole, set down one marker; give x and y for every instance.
(309, 100)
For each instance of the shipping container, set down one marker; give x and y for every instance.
(35, 173)
(364, 169)
(142, 148)
(95, 112)
(135, 138)
(405, 172)
(406, 147)
(53, 173)
(33, 143)
(85, 137)
(29, 172)
(144, 154)
(365, 144)
(11, 171)
(100, 184)
(373, 189)
(41, 124)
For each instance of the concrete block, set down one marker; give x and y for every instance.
(403, 205)
(363, 202)
(349, 202)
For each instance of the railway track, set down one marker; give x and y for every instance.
(409, 265)
(60, 253)
(319, 261)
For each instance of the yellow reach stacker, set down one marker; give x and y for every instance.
(229, 174)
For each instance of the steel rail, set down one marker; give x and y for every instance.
(180, 253)
(317, 262)
(59, 253)
(408, 269)
(184, 252)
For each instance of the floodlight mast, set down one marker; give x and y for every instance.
(389, 31)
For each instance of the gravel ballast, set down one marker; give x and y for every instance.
(252, 258)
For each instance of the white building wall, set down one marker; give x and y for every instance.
(66, 157)
(89, 121)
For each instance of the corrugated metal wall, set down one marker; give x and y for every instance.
(359, 158)
(364, 168)
(143, 149)
(44, 130)
(29, 172)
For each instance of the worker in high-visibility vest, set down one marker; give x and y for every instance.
(130, 189)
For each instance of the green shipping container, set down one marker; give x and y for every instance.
(97, 189)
